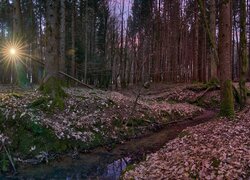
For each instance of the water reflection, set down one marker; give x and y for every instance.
(83, 168)
(114, 170)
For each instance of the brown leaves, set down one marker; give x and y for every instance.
(215, 150)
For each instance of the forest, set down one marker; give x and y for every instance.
(125, 89)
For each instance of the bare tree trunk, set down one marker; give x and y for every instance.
(243, 54)
(86, 42)
(51, 65)
(212, 55)
(122, 68)
(227, 101)
(62, 36)
(196, 44)
(73, 55)
(17, 19)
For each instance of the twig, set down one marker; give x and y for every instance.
(9, 156)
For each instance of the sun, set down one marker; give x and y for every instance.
(12, 51)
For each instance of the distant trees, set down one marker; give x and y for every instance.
(110, 43)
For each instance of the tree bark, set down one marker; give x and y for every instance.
(212, 55)
(86, 43)
(243, 54)
(225, 29)
(62, 36)
(73, 57)
(196, 45)
(51, 84)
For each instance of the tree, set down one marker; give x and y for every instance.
(86, 42)
(196, 44)
(212, 55)
(17, 19)
(62, 36)
(243, 54)
(73, 39)
(51, 83)
(225, 29)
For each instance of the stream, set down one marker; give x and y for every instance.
(108, 164)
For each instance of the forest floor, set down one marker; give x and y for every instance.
(215, 150)
(219, 149)
(34, 130)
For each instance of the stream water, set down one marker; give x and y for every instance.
(107, 164)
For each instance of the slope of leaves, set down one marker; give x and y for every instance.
(216, 150)
(92, 116)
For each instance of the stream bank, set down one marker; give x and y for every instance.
(109, 164)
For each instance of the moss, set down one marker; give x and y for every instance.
(194, 175)
(5, 164)
(215, 162)
(25, 133)
(214, 82)
(227, 100)
(97, 140)
(16, 95)
(248, 92)
(42, 103)
(117, 123)
(111, 103)
(236, 95)
(129, 167)
(243, 93)
(136, 122)
(200, 103)
(171, 101)
(183, 134)
(47, 104)
(58, 102)
(53, 88)
(1, 116)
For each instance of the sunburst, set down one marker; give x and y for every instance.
(13, 51)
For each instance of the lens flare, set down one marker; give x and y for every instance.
(13, 51)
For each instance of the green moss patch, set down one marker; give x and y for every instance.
(53, 88)
(29, 138)
(227, 101)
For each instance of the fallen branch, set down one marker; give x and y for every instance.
(146, 85)
(211, 88)
(60, 72)
(76, 80)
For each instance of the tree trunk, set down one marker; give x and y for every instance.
(51, 83)
(243, 54)
(62, 36)
(17, 19)
(227, 102)
(212, 55)
(86, 43)
(73, 65)
(196, 44)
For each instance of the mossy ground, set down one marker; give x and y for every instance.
(53, 88)
(227, 101)
(25, 133)
(28, 137)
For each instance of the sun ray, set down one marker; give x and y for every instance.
(13, 51)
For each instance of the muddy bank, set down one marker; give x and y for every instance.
(109, 164)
